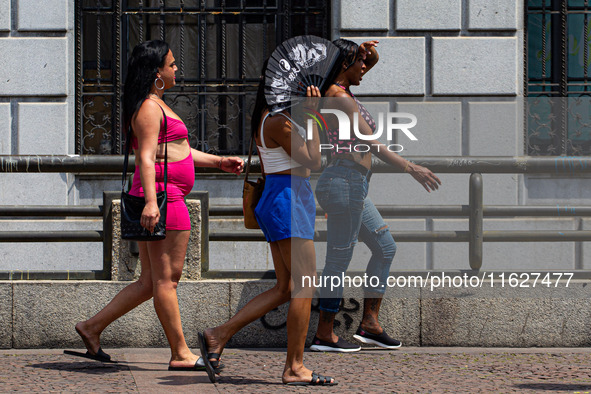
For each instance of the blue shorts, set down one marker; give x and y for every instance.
(286, 208)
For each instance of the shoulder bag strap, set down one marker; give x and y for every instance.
(128, 147)
(252, 135)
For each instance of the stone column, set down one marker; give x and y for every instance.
(125, 263)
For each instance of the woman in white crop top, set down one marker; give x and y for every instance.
(286, 214)
(281, 150)
(276, 160)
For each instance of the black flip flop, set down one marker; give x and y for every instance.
(195, 367)
(99, 356)
(209, 367)
(317, 380)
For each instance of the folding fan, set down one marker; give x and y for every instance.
(294, 65)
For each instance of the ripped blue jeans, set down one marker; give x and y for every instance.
(342, 193)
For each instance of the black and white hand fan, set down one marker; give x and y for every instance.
(294, 65)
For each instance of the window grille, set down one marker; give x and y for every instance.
(558, 88)
(219, 45)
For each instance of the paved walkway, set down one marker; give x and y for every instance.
(407, 370)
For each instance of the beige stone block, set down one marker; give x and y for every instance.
(127, 265)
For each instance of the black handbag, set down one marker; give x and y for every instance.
(133, 206)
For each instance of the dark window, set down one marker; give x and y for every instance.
(558, 87)
(219, 46)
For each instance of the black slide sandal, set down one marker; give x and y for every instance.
(209, 367)
(99, 356)
(196, 367)
(317, 380)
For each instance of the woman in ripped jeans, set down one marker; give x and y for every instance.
(342, 192)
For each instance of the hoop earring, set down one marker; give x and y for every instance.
(155, 84)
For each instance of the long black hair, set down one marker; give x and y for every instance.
(260, 103)
(142, 68)
(348, 54)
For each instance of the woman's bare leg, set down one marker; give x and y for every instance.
(298, 315)
(256, 308)
(127, 299)
(167, 257)
(300, 259)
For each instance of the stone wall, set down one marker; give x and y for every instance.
(42, 314)
(454, 53)
(439, 59)
(458, 66)
(37, 118)
(36, 91)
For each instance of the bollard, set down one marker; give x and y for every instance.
(476, 221)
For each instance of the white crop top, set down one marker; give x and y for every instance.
(276, 159)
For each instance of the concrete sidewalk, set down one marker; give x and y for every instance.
(407, 370)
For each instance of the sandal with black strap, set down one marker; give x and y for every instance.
(317, 380)
(98, 356)
(212, 367)
(199, 366)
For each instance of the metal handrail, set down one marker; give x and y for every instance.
(436, 236)
(445, 165)
(475, 211)
(57, 236)
(58, 211)
(443, 210)
(51, 210)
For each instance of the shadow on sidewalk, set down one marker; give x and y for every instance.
(239, 381)
(84, 367)
(96, 367)
(183, 380)
(555, 387)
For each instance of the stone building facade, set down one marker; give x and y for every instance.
(458, 65)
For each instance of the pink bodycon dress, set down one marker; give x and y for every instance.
(181, 177)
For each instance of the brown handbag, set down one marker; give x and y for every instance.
(251, 193)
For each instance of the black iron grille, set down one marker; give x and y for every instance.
(219, 46)
(558, 87)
